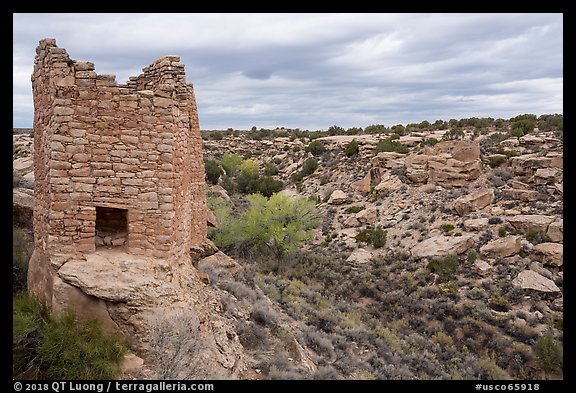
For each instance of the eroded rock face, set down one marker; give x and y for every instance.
(454, 163)
(441, 245)
(125, 291)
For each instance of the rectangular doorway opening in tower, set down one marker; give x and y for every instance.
(111, 227)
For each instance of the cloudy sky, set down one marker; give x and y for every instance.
(312, 71)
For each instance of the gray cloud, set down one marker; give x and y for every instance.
(314, 70)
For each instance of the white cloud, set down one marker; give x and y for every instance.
(315, 70)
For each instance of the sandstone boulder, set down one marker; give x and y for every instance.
(27, 181)
(476, 224)
(459, 150)
(549, 253)
(23, 165)
(501, 248)
(291, 168)
(454, 172)
(338, 197)
(367, 216)
(369, 181)
(351, 222)
(211, 219)
(556, 231)
(538, 268)
(520, 194)
(22, 206)
(449, 162)
(474, 201)
(219, 261)
(359, 256)
(389, 182)
(410, 141)
(529, 279)
(528, 164)
(417, 167)
(202, 250)
(483, 268)
(389, 160)
(441, 245)
(531, 222)
(220, 191)
(547, 175)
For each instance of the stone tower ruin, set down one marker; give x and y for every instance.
(116, 166)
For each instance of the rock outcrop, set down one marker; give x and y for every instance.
(454, 163)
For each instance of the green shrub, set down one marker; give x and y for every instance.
(501, 231)
(249, 166)
(309, 166)
(430, 142)
(537, 237)
(335, 130)
(499, 303)
(316, 148)
(22, 248)
(352, 148)
(447, 228)
(270, 169)
(376, 129)
(79, 351)
(390, 145)
(364, 236)
(269, 186)
(354, 209)
(453, 134)
(376, 237)
(550, 353)
(445, 267)
(522, 127)
(497, 161)
(278, 224)
(230, 162)
(559, 324)
(213, 171)
(471, 257)
(228, 184)
(248, 182)
(58, 347)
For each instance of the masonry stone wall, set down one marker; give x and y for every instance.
(101, 145)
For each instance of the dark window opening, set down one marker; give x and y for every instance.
(111, 227)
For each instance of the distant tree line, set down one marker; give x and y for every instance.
(521, 125)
